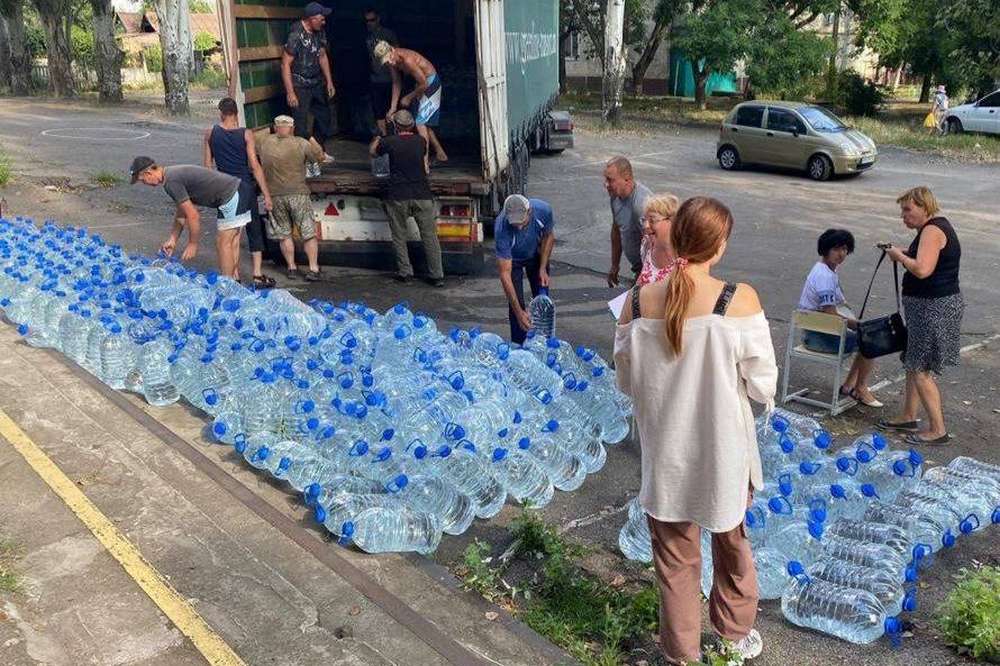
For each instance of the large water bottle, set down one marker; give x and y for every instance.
(522, 476)
(634, 539)
(887, 589)
(892, 536)
(854, 615)
(971, 465)
(873, 555)
(798, 541)
(435, 496)
(157, 386)
(566, 471)
(772, 577)
(543, 313)
(396, 530)
(977, 502)
(926, 521)
(471, 476)
(337, 488)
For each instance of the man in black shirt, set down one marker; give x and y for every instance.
(381, 77)
(305, 73)
(409, 194)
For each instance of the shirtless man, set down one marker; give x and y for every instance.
(424, 101)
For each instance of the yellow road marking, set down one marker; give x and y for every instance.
(174, 606)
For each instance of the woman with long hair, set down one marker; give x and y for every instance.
(691, 351)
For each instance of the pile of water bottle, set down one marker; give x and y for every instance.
(841, 536)
(393, 431)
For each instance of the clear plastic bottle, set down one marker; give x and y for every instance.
(892, 474)
(978, 467)
(475, 478)
(437, 497)
(634, 539)
(566, 471)
(873, 555)
(887, 589)
(157, 386)
(854, 615)
(543, 313)
(396, 530)
(892, 536)
(117, 357)
(522, 476)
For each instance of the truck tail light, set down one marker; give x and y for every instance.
(456, 210)
(331, 210)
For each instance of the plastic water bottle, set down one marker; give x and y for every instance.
(854, 615)
(565, 470)
(892, 536)
(157, 386)
(117, 357)
(522, 477)
(885, 587)
(772, 577)
(926, 521)
(438, 498)
(543, 313)
(798, 541)
(634, 539)
(396, 530)
(976, 501)
(339, 513)
(872, 555)
(472, 477)
(971, 465)
(338, 488)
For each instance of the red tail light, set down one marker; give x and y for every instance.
(456, 211)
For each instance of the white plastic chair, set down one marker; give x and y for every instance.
(818, 322)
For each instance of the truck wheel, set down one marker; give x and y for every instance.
(729, 158)
(820, 167)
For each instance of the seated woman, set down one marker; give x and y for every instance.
(822, 293)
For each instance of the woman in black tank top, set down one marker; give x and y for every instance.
(933, 306)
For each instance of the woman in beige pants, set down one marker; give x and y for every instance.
(691, 351)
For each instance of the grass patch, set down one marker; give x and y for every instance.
(970, 616)
(9, 554)
(107, 179)
(637, 112)
(907, 131)
(210, 78)
(5, 172)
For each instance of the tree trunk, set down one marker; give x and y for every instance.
(107, 56)
(925, 89)
(831, 72)
(4, 55)
(20, 61)
(175, 41)
(896, 77)
(615, 64)
(58, 50)
(648, 53)
(701, 73)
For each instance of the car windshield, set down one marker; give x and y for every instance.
(821, 120)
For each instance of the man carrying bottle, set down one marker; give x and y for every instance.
(525, 235)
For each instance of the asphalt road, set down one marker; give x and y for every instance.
(779, 216)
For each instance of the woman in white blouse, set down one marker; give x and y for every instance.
(691, 351)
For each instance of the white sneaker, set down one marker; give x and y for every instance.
(748, 647)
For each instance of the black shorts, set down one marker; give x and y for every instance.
(381, 99)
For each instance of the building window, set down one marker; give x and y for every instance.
(571, 47)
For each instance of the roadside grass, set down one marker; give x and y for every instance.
(5, 172)
(9, 554)
(969, 618)
(594, 621)
(899, 124)
(107, 179)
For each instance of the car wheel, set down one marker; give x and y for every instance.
(954, 126)
(820, 167)
(729, 158)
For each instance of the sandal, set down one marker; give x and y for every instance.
(901, 426)
(293, 274)
(263, 282)
(913, 439)
(312, 276)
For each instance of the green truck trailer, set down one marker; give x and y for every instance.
(499, 63)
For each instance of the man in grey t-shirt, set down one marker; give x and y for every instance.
(191, 186)
(628, 204)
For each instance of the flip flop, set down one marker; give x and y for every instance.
(901, 426)
(913, 439)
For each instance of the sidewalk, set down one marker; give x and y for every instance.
(262, 577)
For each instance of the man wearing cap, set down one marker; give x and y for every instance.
(284, 157)
(424, 101)
(191, 186)
(524, 234)
(628, 204)
(409, 195)
(305, 73)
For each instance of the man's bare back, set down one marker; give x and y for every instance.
(414, 64)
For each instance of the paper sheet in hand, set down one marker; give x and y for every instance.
(616, 304)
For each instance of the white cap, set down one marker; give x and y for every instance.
(516, 208)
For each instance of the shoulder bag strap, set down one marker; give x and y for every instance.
(895, 282)
(861, 315)
(636, 314)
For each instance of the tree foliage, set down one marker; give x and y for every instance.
(204, 41)
(784, 60)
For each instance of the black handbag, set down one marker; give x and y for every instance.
(884, 335)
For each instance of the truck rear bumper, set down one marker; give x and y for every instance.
(378, 255)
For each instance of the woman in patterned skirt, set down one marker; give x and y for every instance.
(933, 306)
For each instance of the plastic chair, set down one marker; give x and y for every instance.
(819, 322)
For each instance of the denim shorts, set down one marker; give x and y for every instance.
(826, 343)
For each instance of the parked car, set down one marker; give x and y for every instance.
(795, 135)
(981, 116)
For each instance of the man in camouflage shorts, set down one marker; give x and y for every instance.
(284, 157)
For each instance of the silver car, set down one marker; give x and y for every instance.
(795, 135)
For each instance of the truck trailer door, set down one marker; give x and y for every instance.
(491, 56)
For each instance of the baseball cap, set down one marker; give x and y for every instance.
(315, 9)
(403, 118)
(139, 165)
(284, 120)
(382, 51)
(516, 207)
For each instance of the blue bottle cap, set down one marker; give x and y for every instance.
(499, 454)
(795, 568)
(910, 601)
(847, 465)
(948, 539)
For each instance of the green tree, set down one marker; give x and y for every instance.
(663, 15)
(783, 60)
(18, 45)
(204, 41)
(973, 46)
(715, 34)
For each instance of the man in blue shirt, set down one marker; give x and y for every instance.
(524, 240)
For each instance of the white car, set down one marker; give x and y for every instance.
(982, 116)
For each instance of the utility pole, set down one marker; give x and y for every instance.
(615, 64)
(831, 71)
